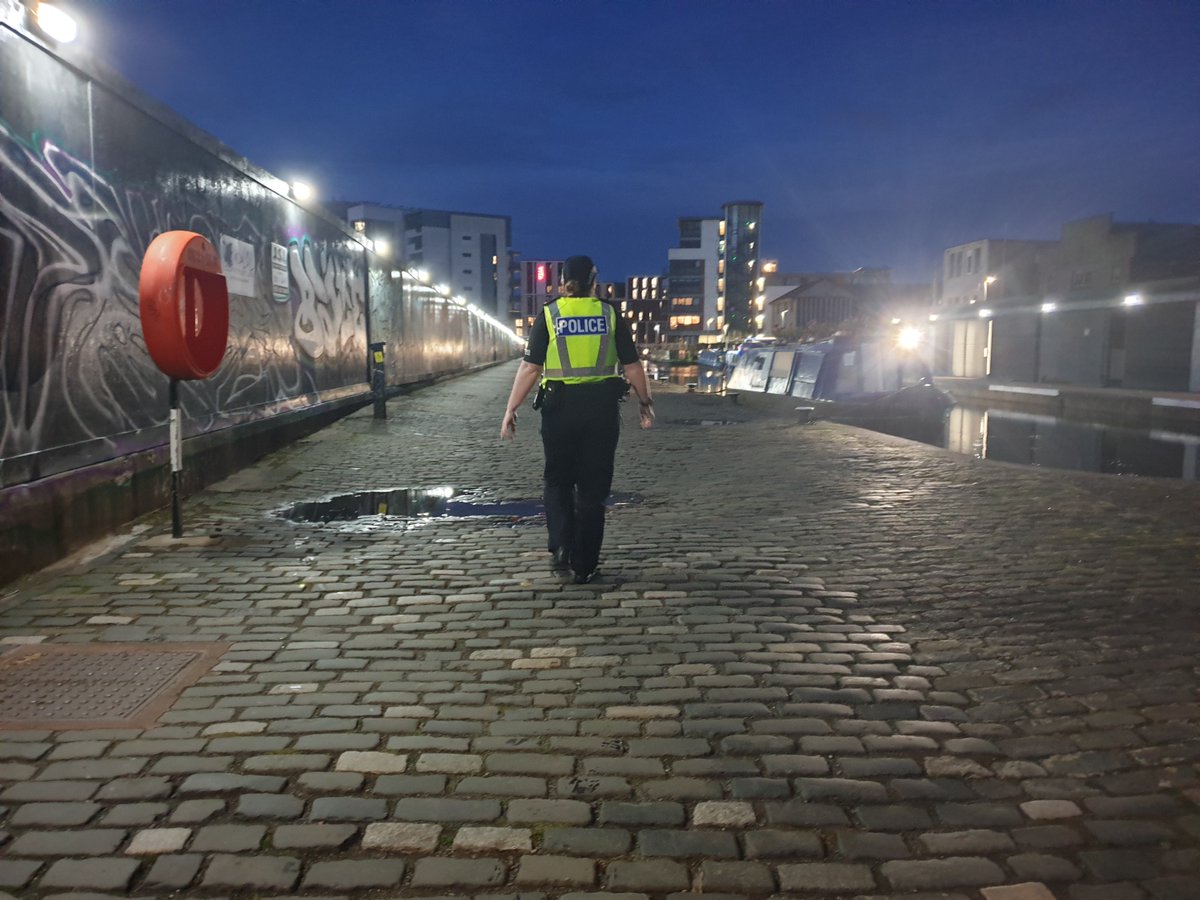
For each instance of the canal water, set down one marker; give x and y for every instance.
(1017, 437)
(1050, 442)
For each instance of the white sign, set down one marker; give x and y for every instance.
(237, 261)
(279, 273)
(176, 441)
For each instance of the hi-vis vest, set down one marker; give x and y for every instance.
(582, 344)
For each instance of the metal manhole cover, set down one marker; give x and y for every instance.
(60, 686)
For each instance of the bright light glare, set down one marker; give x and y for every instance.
(396, 273)
(302, 191)
(909, 338)
(1134, 300)
(57, 25)
(933, 317)
(985, 314)
(896, 321)
(382, 247)
(991, 279)
(1049, 307)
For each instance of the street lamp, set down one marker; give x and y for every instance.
(55, 23)
(988, 281)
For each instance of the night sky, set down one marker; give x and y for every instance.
(876, 133)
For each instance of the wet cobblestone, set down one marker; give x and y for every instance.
(820, 663)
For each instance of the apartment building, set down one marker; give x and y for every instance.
(467, 253)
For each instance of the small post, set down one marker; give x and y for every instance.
(379, 380)
(176, 441)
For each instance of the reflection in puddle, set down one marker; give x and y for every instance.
(421, 504)
(706, 379)
(1039, 440)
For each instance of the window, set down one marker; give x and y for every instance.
(468, 254)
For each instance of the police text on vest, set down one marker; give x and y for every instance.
(581, 325)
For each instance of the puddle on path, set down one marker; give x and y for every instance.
(406, 505)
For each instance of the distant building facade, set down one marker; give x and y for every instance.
(815, 305)
(541, 282)
(741, 304)
(1109, 304)
(975, 276)
(693, 289)
(645, 306)
(469, 253)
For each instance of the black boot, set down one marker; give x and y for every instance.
(586, 577)
(560, 562)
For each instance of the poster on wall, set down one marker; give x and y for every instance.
(279, 273)
(237, 261)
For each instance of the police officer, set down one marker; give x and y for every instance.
(578, 349)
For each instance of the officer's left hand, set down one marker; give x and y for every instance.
(647, 417)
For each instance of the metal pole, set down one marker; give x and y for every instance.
(176, 441)
(378, 380)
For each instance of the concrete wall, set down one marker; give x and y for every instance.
(1015, 343)
(1075, 346)
(91, 171)
(1158, 346)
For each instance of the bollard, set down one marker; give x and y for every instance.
(379, 380)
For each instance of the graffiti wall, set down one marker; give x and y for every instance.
(90, 173)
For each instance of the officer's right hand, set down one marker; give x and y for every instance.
(508, 427)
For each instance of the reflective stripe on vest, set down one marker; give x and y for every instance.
(582, 346)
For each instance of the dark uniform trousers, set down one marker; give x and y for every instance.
(580, 427)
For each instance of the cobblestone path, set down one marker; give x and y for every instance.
(822, 662)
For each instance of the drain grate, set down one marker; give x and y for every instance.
(68, 686)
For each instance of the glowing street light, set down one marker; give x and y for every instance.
(1134, 300)
(985, 314)
(301, 191)
(1049, 306)
(56, 24)
(382, 247)
(909, 338)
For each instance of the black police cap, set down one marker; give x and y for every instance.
(579, 268)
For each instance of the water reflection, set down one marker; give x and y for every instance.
(1037, 440)
(427, 503)
(707, 379)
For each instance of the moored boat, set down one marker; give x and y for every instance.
(840, 376)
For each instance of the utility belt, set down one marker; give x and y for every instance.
(553, 394)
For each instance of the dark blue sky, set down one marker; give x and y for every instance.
(876, 133)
